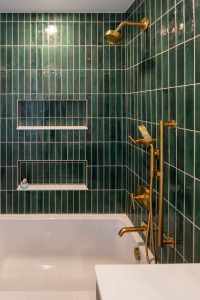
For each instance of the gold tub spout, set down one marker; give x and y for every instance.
(131, 229)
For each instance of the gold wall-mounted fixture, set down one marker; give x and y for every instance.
(114, 37)
(131, 229)
(159, 174)
(143, 195)
(146, 138)
(141, 141)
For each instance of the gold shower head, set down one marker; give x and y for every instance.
(114, 37)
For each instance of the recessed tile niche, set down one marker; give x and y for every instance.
(51, 114)
(53, 175)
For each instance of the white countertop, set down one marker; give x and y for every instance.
(152, 282)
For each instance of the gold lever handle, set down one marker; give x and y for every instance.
(171, 124)
(140, 197)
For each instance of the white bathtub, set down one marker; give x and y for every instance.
(53, 257)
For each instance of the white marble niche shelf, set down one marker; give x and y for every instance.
(53, 175)
(52, 115)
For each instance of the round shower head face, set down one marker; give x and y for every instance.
(113, 37)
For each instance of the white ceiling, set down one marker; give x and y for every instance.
(64, 5)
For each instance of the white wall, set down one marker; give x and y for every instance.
(64, 5)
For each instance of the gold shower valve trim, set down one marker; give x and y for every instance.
(143, 195)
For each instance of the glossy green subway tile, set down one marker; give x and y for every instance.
(172, 27)
(189, 197)
(189, 62)
(189, 18)
(164, 7)
(180, 107)
(158, 9)
(189, 107)
(3, 57)
(173, 101)
(9, 57)
(158, 71)
(197, 54)
(39, 33)
(172, 67)
(188, 244)
(189, 166)
(164, 32)
(180, 22)
(180, 149)
(179, 231)
(197, 107)
(197, 157)
(181, 68)
(3, 33)
(197, 16)
(165, 97)
(152, 11)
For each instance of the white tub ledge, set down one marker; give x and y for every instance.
(152, 282)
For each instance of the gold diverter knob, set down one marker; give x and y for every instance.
(142, 195)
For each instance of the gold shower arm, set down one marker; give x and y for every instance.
(144, 23)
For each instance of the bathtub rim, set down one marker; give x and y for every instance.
(71, 216)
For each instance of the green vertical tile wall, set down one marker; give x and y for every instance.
(72, 64)
(163, 82)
